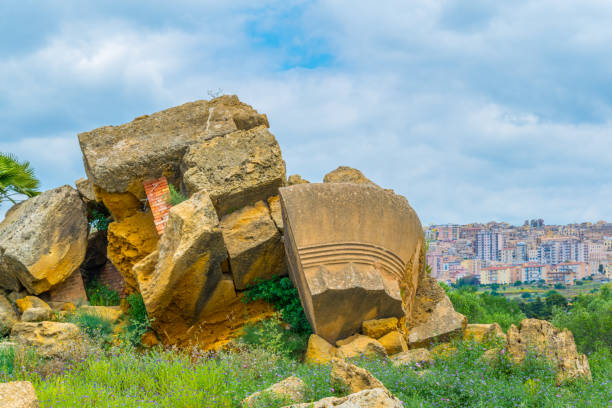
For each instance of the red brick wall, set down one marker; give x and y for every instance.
(70, 290)
(157, 194)
(111, 277)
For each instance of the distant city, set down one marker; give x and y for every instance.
(500, 253)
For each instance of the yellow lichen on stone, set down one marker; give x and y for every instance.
(129, 241)
(120, 205)
(393, 343)
(379, 327)
(28, 302)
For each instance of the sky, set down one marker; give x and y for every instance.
(474, 110)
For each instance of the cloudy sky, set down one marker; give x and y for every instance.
(474, 110)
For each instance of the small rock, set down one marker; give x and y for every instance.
(36, 314)
(51, 339)
(345, 174)
(291, 389)
(8, 317)
(361, 346)
(31, 301)
(443, 324)
(319, 351)
(484, 332)
(18, 394)
(375, 398)
(296, 179)
(379, 327)
(556, 345)
(347, 376)
(416, 357)
(393, 342)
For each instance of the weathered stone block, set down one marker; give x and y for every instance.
(354, 253)
(254, 245)
(43, 240)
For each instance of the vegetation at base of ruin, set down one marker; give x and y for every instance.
(271, 335)
(175, 197)
(138, 320)
(16, 179)
(484, 307)
(101, 295)
(98, 328)
(281, 293)
(171, 378)
(590, 320)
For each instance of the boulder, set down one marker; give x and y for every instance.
(361, 346)
(419, 357)
(349, 377)
(355, 254)
(379, 327)
(393, 342)
(374, 398)
(319, 351)
(130, 241)
(296, 179)
(542, 338)
(178, 280)
(484, 333)
(36, 314)
(29, 302)
(345, 174)
(289, 390)
(443, 324)
(51, 339)
(118, 159)
(236, 169)
(275, 212)
(18, 394)
(8, 316)
(43, 240)
(253, 244)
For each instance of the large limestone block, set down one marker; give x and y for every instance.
(29, 302)
(237, 169)
(18, 394)
(119, 158)
(275, 212)
(557, 345)
(36, 314)
(178, 280)
(349, 377)
(51, 339)
(254, 245)
(374, 398)
(130, 241)
(291, 389)
(393, 342)
(355, 254)
(8, 316)
(43, 240)
(379, 327)
(442, 325)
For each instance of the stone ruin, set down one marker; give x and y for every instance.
(355, 251)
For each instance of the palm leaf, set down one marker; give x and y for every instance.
(16, 177)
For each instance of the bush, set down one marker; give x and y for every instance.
(93, 325)
(175, 197)
(486, 308)
(559, 286)
(101, 295)
(270, 335)
(284, 296)
(589, 319)
(138, 319)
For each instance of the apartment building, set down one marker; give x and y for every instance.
(500, 274)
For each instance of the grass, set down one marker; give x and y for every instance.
(169, 378)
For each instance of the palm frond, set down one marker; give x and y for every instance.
(17, 177)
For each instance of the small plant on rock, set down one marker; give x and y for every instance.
(138, 319)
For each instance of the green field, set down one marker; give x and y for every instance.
(515, 292)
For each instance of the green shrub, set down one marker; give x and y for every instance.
(97, 327)
(175, 197)
(486, 308)
(138, 319)
(101, 295)
(284, 296)
(270, 335)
